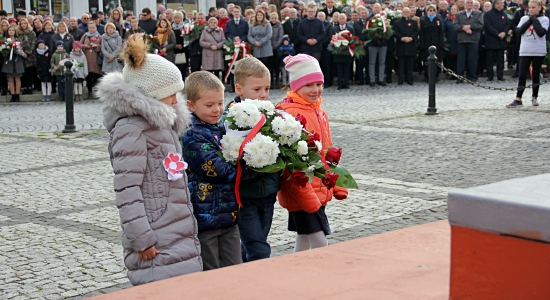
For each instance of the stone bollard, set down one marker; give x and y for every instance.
(432, 79)
(69, 99)
(500, 240)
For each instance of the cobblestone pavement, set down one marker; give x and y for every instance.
(59, 228)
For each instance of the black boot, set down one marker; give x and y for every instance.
(12, 98)
(4, 92)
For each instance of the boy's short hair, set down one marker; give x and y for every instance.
(237, 7)
(200, 82)
(249, 67)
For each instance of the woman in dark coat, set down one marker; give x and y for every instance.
(64, 36)
(431, 34)
(451, 52)
(177, 27)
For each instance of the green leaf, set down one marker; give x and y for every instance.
(310, 175)
(274, 168)
(345, 179)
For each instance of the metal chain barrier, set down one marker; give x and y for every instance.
(503, 89)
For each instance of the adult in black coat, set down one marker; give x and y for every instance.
(431, 34)
(330, 9)
(326, 56)
(510, 4)
(290, 28)
(362, 64)
(495, 26)
(406, 33)
(195, 49)
(311, 32)
(343, 62)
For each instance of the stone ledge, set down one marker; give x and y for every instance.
(411, 263)
(518, 207)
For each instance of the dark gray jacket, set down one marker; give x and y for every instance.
(475, 21)
(154, 211)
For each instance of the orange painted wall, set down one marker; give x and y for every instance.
(490, 266)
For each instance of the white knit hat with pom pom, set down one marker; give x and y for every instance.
(156, 77)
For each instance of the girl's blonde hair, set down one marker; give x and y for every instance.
(542, 8)
(61, 24)
(121, 20)
(29, 26)
(110, 24)
(46, 23)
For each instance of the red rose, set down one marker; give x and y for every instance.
(361, 43)
(301, 119)
(330, 179)
(333, 155)
(300, 178)
(352, 46)
(355, 38)
(312, 138)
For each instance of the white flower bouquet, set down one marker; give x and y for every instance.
(270, 140)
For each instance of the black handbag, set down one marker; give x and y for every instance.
(100, 58)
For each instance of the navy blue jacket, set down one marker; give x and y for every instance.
(231, 30)
(450, 36)
(495, 22)
(211, 178)
(285, 51)
(311, 29)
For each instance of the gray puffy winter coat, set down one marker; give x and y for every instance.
(154, 211)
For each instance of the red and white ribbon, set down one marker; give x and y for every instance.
(248, 138)
(236, 52)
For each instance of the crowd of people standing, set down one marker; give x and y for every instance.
(471, 37)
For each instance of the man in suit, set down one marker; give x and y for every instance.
(406, 34)
(495, 25)
(237, 29)
(362, 64)
(510, 4)
(311, 32)
(330, 9)
(290, 28)
(420, 8)
(326, 56)
(343, 62)
(468, 25)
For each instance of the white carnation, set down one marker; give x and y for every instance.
(230, 147)
(311, 168)
(302, 147)
(261, 151)
(262, 105)
(245, 115)
(288, 129)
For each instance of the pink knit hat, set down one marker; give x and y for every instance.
(302, 70)
(76, 44)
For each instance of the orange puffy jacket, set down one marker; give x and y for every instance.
(292, 196)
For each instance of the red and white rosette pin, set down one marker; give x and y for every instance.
(173, 164)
